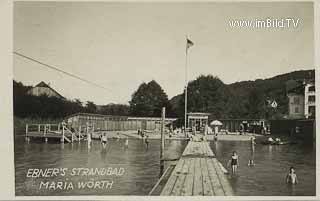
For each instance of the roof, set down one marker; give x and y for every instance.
(199, 113)
(43, 84)
(122, 117)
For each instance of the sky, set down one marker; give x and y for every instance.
(120, 45)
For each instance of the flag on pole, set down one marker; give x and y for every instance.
(189, 43)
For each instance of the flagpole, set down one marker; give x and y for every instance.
(186, 90)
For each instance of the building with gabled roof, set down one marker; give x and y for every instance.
(44, 89)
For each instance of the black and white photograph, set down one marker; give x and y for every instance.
(164, 98)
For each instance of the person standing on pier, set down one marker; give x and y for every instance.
(234, 162)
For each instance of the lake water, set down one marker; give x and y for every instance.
(141, 167)
(272, 163)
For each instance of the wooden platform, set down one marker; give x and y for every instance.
(55, 131)
(197, 173)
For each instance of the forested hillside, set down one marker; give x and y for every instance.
(246, 99)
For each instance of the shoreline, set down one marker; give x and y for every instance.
(157, 136)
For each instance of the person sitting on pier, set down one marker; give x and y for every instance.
(104, 140)
(292, 177)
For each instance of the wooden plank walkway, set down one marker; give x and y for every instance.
(197, 173)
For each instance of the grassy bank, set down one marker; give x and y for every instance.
(20, 123)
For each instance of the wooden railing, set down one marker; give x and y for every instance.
(45, 128)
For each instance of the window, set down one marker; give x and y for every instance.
(312, 88)
(311, 98)
(296, 100)
(312, 111)
(296, 109)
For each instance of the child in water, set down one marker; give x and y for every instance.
(234, 162)
(292, 177)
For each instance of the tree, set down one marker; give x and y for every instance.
(148, 100)
(91, 107)
(206, 94)
(115, 109)
(256, 104)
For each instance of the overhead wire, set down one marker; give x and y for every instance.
(61, 71)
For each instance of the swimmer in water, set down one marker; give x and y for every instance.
(104, 140)
(89, 140)
(234, 162)
(251, 163)
(147, 141)
(292, 177)
(126, 144)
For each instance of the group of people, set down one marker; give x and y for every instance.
(270, 139)
(144, 137)
(104, 140)
(291, 177)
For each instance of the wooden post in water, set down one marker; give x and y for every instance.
(27, 128)
(72, 138)
(162, 141)
(62, 139)
(79, 133)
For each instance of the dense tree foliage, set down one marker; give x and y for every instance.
(148, 100)
(115, 109)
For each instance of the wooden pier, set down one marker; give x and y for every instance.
(52, 131)
(197, 173)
